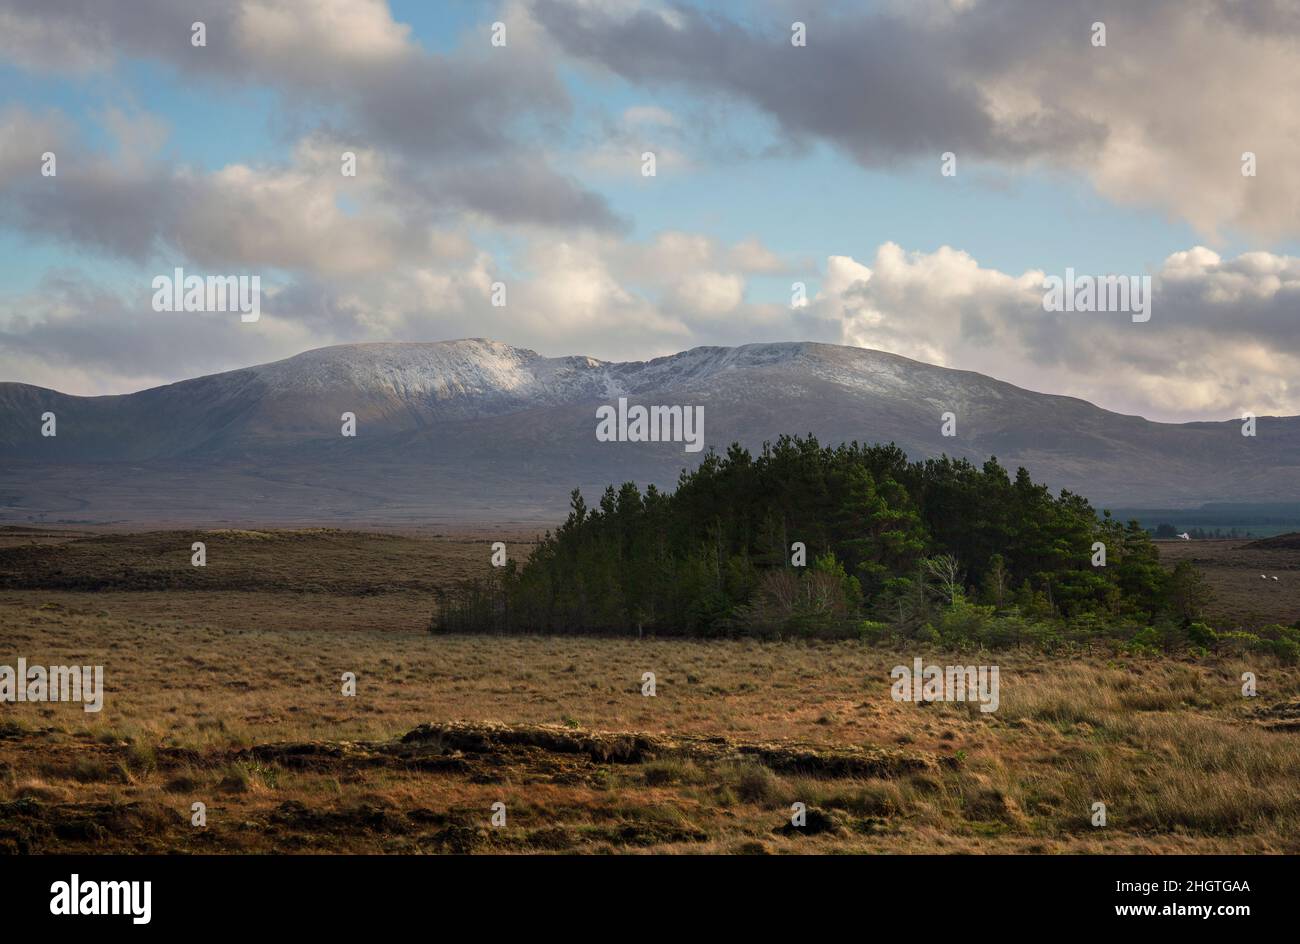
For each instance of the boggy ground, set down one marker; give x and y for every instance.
(230, 694)
(1241, 572)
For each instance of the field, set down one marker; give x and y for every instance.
(225, 687)
(1245, 592)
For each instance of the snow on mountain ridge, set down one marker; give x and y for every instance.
(481, 428)
(481, 369)
(438, 370)
(494, 372)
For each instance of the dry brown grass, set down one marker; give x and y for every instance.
(203, 683)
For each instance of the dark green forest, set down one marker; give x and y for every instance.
(806, 540)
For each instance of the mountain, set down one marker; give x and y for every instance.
(479, 431)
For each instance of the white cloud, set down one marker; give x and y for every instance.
(332, 34)
(1159, 117)
(750, 255)
(1221, 339)
(710, 293)
(609, 298)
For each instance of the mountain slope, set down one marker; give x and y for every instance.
(477, 430)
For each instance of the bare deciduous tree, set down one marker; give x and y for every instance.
(946, 574)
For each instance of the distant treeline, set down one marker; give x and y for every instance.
(1167, 530)
(1220, 519)
(941, 550)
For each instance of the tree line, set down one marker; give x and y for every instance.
(809, 540)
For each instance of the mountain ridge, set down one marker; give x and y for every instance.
(484, 428)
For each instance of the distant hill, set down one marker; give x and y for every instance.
(1218, 519)
(1280, 542)
(479, 431)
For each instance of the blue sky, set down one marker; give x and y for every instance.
(812, 205)
(1060, 165)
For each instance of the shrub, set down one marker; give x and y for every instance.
(1198, 634)
(964, 622)
(1287, 650)
(1238, 642)
(926, 633)
(870, 631)
(755, 783)
(1281, 641)
(1147, 641)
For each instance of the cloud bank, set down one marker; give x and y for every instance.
(461, 184)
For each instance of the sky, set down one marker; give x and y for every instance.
(799, 189)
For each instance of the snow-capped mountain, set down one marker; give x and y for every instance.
(479, 430)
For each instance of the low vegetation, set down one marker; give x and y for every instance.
(251, 722)
(808, 541)
(230, 694)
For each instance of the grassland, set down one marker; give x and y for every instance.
(1233, 570)
(224, 687)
